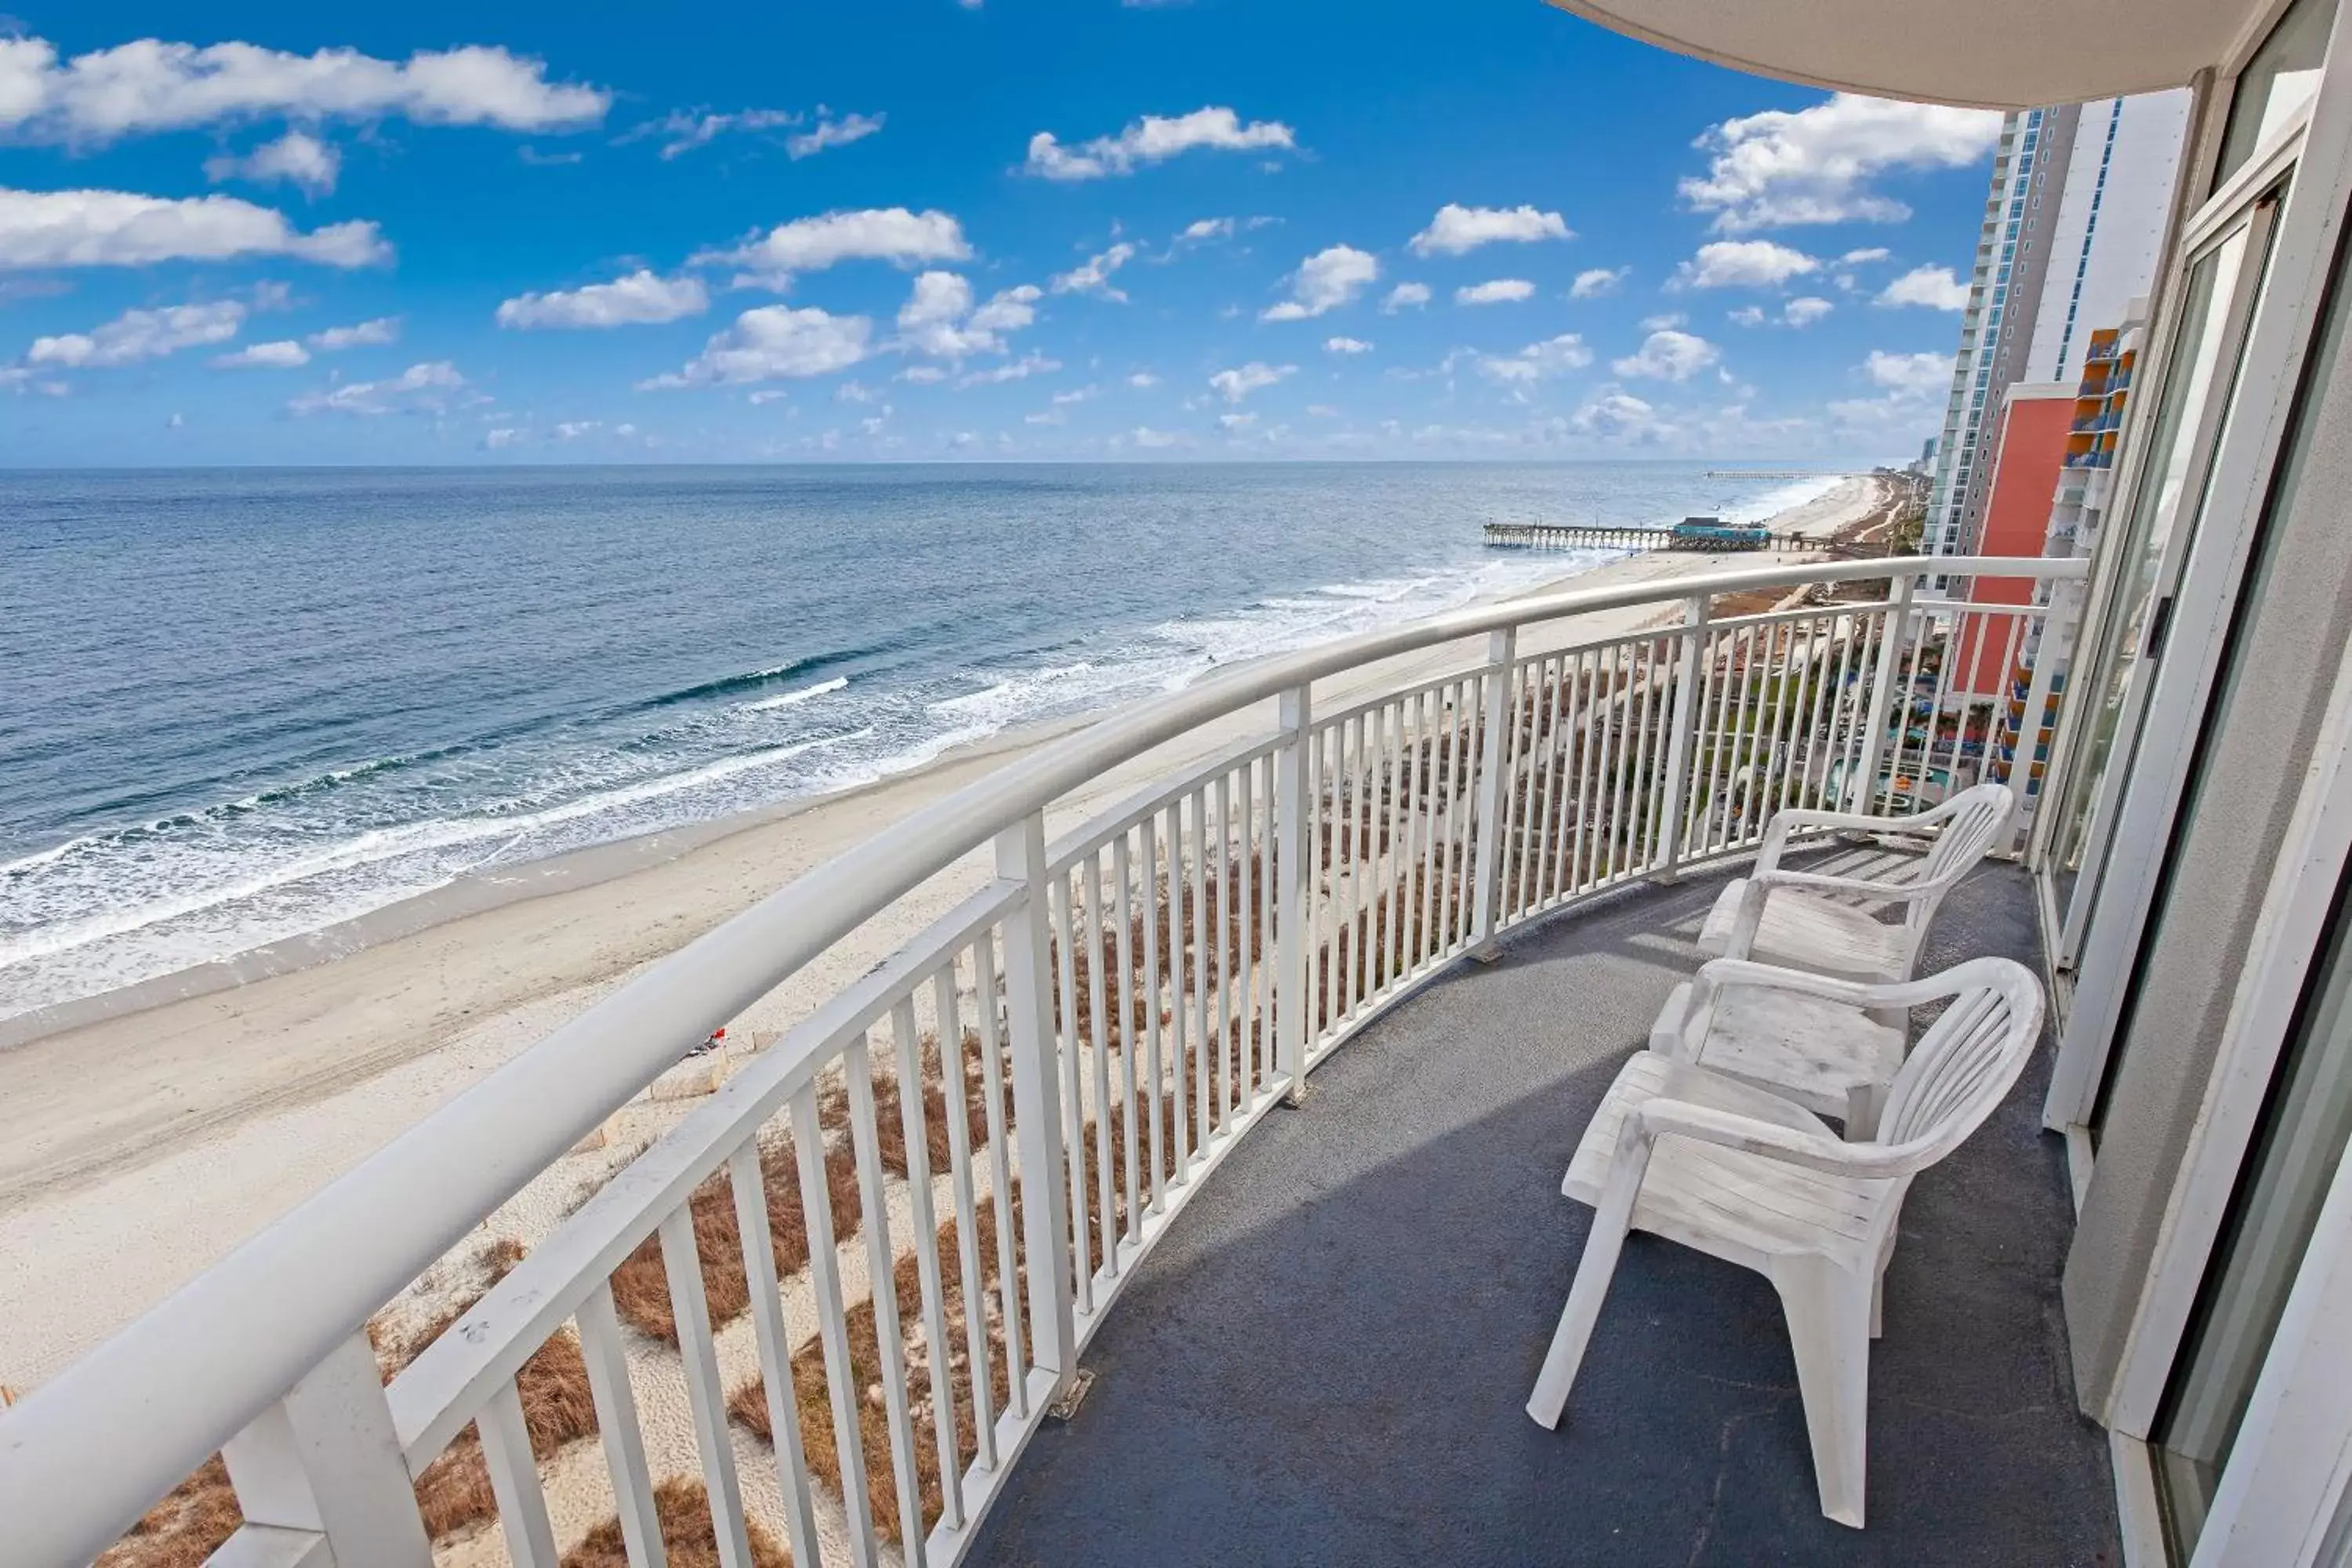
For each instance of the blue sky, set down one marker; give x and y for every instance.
(914, 229)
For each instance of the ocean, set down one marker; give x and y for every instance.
(237, 705)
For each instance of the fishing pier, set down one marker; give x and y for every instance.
(1692, 533)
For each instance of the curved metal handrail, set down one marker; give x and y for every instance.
(125, 1423)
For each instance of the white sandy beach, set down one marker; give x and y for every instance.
(142, 1146)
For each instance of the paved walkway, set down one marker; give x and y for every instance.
(1325, 1361)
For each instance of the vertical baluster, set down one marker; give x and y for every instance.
(1498, 786)
(1068, 1050)
(1295, 854)
(1245, 959)
(1425, 815)
(1558, 750)
(774, 1344)
(843, 1388)
(1000, 1174)
(1268, 939)
(1542, 784)
(514, 1483)
(923, 1220)
(1585, 861)
(1392, 888)
(1805, 650)
(1679, 741)
(1617, 744)
(1148, 842)
(1099, 1001)
(1648, 769)
(1036, 1111)
(957, 1094)
(1778, 671)
(1343, 870)
(1204, 970)
(874, 1212)
(604, 1352)
(1177, 1056)
(699, 1352)
(1224, 950)
(1122, 872)
(1862, 791)
(1611, 764)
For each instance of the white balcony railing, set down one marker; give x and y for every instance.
(1072, 1050)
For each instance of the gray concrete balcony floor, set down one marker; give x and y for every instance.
(1325, 1360)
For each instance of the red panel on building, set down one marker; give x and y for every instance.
(2034, 427)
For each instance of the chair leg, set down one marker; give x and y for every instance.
(1828, 1316)
(1610, 1221)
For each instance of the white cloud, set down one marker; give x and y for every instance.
(1234, 424)
(119, 228)
(136, 336)
(771, 343)
(1022, 369)
(1664, 319)
(1200, 230)
(420, 387)
(1496, 291)
(286, 354)
(1404, 294)
(939, 319)
(688, 128)
(1254, 376)
(1145, 435)
(830, 133)
(1669, 355)
(1867, 254)
(1457, 229)
(920, 374)
(1620, 417)
(497, 440)
(1538, 362)
(1814, 165)
(360, 334)
(1324, 281)
(873, 234)
(1934, 287)
(1805, 311)
(1346, 346)
(1744, 264)
(1595, 281)
(299, 158)
(1077, 395)
(1911, 387)
(1093, 276)
(151, 85)
(1143, 378)
(1915, 375)
(573, 429)
(640, 298)
(1154, 139)
(1747, 316)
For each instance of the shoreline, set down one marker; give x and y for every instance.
(163, 1123)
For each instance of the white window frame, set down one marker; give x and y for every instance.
(2316, 142)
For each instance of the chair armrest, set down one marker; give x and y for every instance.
(1811, 1151)
(1720, 973)
(1821, 882)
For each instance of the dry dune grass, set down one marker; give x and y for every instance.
(641, 1285)
(454, 1490)
(683, 1509)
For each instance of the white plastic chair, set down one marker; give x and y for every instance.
(1744, 1175)
(1746, 1021)
(1813, 920)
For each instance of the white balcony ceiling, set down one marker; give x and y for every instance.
(2001, 54)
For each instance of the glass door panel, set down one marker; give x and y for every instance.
(2218, 303)
(2288, 1169)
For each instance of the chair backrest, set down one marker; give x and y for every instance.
(1966, 1061)
(1972, 820)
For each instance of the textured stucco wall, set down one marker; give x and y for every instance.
(2254, 772)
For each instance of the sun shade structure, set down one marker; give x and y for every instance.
(1994, 54)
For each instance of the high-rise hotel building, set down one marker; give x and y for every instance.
(2073, 229)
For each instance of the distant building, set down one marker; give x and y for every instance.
(2073, 228)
